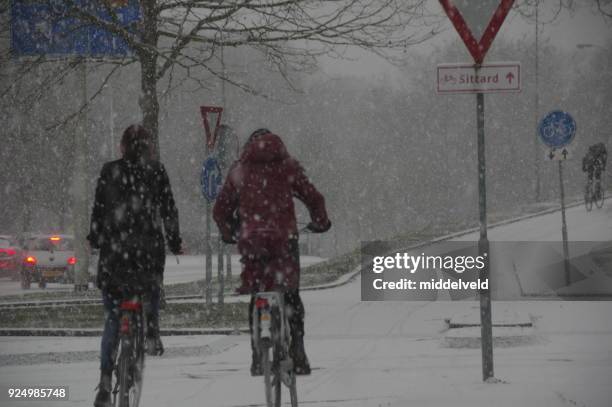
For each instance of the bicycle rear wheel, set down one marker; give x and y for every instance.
(599, 197)
(131, 368)
(268, 375)
(588, 197)
(123, 374)
(293, 392)
(271, 379)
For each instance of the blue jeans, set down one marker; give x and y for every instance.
(111, 324)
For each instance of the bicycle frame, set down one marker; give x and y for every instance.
(129, 363)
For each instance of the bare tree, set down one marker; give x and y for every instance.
(186, 35)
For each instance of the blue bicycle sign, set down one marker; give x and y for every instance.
(211, 178)
(557, 129)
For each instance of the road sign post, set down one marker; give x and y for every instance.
(228, 152)
(557, 130)
(486, 329)
(470, 20)
(81, 190)
(210, 180)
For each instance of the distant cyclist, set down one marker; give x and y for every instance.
(594, 162)
(133, 200)
(255, 208)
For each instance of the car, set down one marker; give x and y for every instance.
(47, 258)
(10, 253)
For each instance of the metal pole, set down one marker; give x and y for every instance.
(483, 247)
(80, 209)
(228, 267)
(220, 270)
(208, 254)
(221, 245)
(564, 227)
(536, 147)
(112, 147)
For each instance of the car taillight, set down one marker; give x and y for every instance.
(10, 252)
(71, 261)
(30, 260)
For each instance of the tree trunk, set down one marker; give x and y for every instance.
(149, 104)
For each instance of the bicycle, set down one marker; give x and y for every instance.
(594, 193)
(129, 364)
(272, 336)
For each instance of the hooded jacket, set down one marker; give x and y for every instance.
(259, 190)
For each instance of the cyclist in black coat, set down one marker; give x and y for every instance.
(594, 161)
(133, 200)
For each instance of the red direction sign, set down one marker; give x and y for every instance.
(469, 16)
(211, 137)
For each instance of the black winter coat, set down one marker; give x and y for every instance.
(132, 202)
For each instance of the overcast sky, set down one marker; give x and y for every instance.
(581, 26)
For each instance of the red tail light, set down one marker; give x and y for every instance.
(125, 325)
(10, 252)
(71, 261)
(30, 260)
(261, 303)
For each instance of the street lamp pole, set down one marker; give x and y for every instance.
(536, 149)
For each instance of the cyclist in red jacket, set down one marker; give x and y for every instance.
(255, 208)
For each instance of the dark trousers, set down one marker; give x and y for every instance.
(110, 335)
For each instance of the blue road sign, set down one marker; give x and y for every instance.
(211, 178)
(557, 129)
(42, 27)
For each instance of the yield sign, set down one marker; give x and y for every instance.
(477, 22)
(211, 137)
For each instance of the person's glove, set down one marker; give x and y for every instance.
(177, 249)
(316, 228)
(228, 239)
(243, 290)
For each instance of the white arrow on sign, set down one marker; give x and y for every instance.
(558, 154)
(491, 78)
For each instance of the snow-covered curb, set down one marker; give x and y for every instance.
(80, 332)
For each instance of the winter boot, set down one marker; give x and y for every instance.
(103, 398)
(155, 347)
(301, 366)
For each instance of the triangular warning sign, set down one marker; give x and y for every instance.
(477, 22)
(211, 136)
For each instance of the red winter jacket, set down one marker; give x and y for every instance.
(261, 186)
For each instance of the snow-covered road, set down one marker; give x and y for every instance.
(368, 354)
